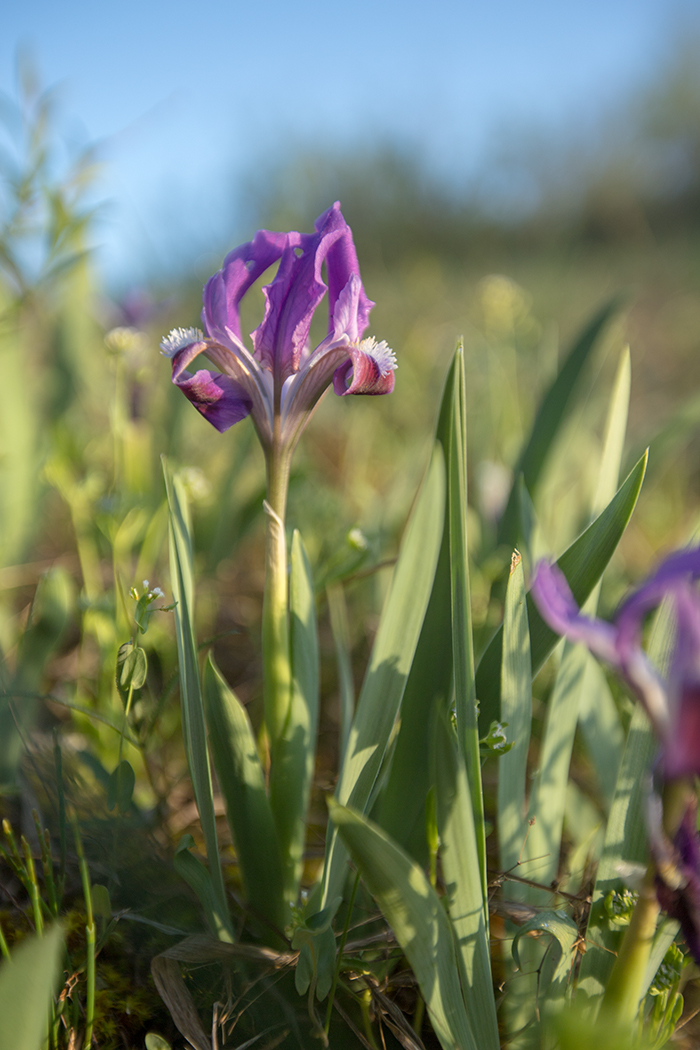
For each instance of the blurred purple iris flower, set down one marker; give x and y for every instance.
(280, 381)
(671, 702)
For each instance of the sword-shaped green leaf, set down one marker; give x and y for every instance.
(193, 726)
(293, 755)
(461, 869)
(191, 869)
(549, 419)
(582, 564)
(516, 712)
(416, 915)
(391, 659)
(574, 694)
(242, 784)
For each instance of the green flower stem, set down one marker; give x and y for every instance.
(626, 985)
(275, 631)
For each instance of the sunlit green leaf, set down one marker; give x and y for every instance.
(242, 783)
(391, 659)
(190, 692)
(414, 911)
(551, 415)
(293, 755)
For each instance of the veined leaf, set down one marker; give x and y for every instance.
(392, 656)
(294, 753)
(242, 784)
(193, 725)
(582, 564)
(413, 910)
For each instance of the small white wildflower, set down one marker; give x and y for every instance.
(381, 354)
(146, 584)
(179, 338)
(357, 539)
(157, 593)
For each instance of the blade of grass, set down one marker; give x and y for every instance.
(198, 877)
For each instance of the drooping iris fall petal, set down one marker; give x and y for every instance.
(559, 610)
(370, 370)
(220, 399)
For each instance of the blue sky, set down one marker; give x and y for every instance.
(186, 98)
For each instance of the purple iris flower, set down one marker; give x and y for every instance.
(671, 702)
(282, 378)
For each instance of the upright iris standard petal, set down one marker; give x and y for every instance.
(342, 266)
(282, 376)
(242, 268)
(290, 303)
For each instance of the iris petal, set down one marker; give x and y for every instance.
(221, 400)
(558, 607)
